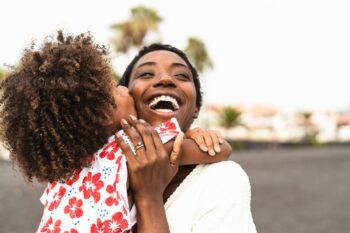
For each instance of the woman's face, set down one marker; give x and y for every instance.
(162, 86)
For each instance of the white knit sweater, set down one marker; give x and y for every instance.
(213, 198)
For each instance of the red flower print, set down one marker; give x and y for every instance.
(91, 186)
(110, 150)
(74, 208)
(74, 178)
(99, 227)
(91, 159)
(50, 187)
(51, 227)
(56, 199)
(53, 184)
(117, 224)
(72, 231)
(115, 196)
(169, 125)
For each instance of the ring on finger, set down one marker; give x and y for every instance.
(139, 145)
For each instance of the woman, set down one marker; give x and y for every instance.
(201, 198)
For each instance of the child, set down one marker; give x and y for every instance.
(58, 111)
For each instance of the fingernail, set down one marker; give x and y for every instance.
(142, 121)
(211, 153)
(221, 141)
(117, 135)
(123, 121)
(133, 117)
(204, 148)
(217, 149)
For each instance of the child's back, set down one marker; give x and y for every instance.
(58, 108)
(93, 200)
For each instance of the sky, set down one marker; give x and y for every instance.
(292, 55)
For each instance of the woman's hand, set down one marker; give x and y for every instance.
(150, 169)
(208, 140)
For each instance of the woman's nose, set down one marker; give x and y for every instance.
(165, 80)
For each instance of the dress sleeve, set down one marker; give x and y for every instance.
(167, 131)
(227, 209)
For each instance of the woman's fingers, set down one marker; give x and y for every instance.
(129, 155)
(145, 130)
(159, 147)
(136, 141)
(175, 155)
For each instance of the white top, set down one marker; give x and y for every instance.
(212, 198)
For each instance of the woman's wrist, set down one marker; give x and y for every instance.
(151, 215)
(148, 201)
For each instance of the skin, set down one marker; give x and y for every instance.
(156, 73)
(152, 165)
(123, 109)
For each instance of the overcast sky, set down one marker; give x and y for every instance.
(291, 54)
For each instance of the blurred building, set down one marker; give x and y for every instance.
(265, 123)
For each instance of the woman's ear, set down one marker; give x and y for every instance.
(196, 113)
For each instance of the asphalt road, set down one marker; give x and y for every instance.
(293, 191)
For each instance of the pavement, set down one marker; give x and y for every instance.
(304, 190)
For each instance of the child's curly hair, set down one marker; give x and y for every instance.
(53, 105)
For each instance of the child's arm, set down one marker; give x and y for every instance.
(192, 154)
(202, 147)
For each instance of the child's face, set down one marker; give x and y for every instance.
(124, 104)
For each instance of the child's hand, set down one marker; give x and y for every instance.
(207, 140)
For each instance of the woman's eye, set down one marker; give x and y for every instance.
(183, 76)
(146, 75)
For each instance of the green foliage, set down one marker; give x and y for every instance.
(197, 53)
(229, 117)
(306, 115)
(2, 74)
(144, 20)
(310, 130)
(131, 33)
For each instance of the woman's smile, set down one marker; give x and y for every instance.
(163, 87)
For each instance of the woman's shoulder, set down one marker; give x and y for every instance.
(224, 169)
(225, 178)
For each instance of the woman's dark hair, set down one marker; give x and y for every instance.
(53, 105)
(154, 47)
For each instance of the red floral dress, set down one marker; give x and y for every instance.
(95, 199)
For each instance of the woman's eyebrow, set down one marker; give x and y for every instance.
(149, 63)
(177, 64)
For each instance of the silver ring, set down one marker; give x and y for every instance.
(139, 145)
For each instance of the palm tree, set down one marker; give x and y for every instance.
(310, 130)
(143, 21)
(197, 53)
(229, 117)
(132, 32)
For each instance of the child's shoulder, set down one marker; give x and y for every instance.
(109, 150)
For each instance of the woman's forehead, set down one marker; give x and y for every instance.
(160, 56)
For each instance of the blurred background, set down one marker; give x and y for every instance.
(275, 76)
